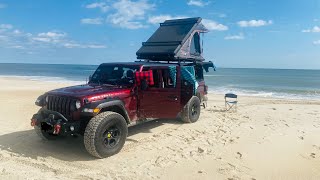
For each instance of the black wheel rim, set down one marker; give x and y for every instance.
(111, 137)
(194, 110)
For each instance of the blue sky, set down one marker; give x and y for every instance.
(246, 33)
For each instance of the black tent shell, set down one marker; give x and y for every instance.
(174, 40)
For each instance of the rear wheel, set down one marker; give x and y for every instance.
(44, 135)
(191, 110)
(105, 134)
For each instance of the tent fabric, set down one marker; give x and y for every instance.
(188, 74)
(172, 41)
(147, 75)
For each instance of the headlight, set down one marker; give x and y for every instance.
(78, 104)
(47, 99)
(40, 101)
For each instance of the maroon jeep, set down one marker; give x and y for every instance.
(118, 95)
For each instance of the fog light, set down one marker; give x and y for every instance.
(71, 128)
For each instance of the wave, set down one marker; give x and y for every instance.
(265, 94)
(46, 79)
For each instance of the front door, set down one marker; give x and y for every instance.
(161, 100)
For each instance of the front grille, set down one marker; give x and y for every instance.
(64, 105)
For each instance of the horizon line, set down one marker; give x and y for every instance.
(223, 67)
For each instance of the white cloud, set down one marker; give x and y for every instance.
(222, 15)
(2, 6)
(316, 42)
(254, 23)
(50, 37)
(77, 45)
(102, 6)
(91, 21)
(235, 37)
(17, 39)
(214, 26)
(199, 3)
(129, 13)
(95, 46)
(17, 47)
(6, 26)
(162, 18)
(16, 31)
(315, 29)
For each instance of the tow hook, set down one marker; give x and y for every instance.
(33, 122)
(56, 129)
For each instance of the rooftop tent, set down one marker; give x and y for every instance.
(177, 39)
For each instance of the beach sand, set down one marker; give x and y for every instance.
(265, 139)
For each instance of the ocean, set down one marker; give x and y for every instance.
(278, 83)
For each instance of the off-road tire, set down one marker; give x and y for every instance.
(191, 110)
(94, 140)
(44, 135)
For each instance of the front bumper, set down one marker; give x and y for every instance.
(53, 122)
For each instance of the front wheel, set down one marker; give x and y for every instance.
(105, 134)
(191, 110)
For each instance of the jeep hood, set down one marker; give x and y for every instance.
(86, 90)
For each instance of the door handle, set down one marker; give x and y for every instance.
(173, 97)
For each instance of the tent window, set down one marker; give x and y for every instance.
(195, 44)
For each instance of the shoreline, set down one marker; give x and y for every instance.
(265, 138)
(64, 83)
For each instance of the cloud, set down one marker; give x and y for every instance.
(60, 39)
(50, 37)
(77, 45)
(5, 26)
(235, 37)
(214, 26)
(254, 23)
(315, 29)
(91, 21)
(222, 15)
(162, 18)
(316, 42)
(128, 14)
(17, 39)
(17, 47)
(2, 6)
(102, 6)
(198, 3)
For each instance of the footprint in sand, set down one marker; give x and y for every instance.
(239, 154)
(274, 109)
(313, 155)
(301, 137)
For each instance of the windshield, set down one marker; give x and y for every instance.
(114, 74)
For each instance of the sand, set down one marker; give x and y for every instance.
(265, 139)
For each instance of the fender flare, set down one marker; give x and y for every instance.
(117, 103)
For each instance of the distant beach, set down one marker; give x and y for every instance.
(277, 83)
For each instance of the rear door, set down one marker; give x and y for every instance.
(161, 100)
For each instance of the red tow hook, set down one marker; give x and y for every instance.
(56, 129)
(33, 122)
